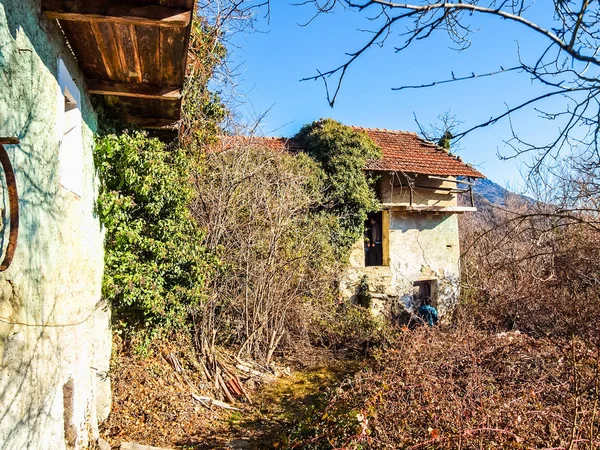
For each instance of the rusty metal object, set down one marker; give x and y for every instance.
(13, 200)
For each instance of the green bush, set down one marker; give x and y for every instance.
(342, 153)
(155, 265)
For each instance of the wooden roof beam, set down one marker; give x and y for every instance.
(121, 12)
(138, 90)
(151, 122)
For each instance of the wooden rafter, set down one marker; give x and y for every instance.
(428, 208)
(116, 12)
(151, 122)
(139, 90)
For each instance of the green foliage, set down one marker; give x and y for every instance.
(446, 140)
(342, 153)
(155, 266)
(363, 296)
(202, 109)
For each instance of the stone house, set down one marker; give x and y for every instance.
(55, 56)
(418, 186)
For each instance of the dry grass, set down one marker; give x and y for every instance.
(463, 388)
(152, 404)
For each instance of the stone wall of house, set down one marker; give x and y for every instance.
(55, 338)
(421, 246)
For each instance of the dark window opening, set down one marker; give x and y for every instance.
(374, 240)
(427, 292)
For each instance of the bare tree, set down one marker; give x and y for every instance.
(567, 66)
(256, 207)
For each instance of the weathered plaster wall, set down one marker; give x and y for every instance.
(391, 191)
(421, 246)
(54, 333)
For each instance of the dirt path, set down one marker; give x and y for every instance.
(276, 410)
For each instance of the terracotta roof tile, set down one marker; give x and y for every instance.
(272, 143)
(402, 152)
(407, 152)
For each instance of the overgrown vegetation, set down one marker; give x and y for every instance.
(464, 388)
(241, 247)
(264, 217)
(156, 268)
(519, 367)
(155, 264)
(349, 196)
(202, 108)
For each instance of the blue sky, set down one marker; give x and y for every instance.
(274, 60)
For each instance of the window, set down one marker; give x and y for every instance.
(69, 129)
(376, 239)
(427, 292)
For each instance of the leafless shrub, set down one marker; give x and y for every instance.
(464, 388)
(534, 266)
(256, 206)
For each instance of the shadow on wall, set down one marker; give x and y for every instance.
(419, 222)
(37, 292)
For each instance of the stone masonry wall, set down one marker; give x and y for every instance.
(420, 246)
(54, 332)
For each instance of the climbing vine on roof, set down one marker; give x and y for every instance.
(342, 152)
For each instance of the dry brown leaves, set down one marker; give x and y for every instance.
(152, 404)
(462, 388)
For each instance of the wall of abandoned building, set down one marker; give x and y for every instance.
(54, 331)
(393, 188)
(421, 246)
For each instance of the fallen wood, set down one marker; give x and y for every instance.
(228, 395)
(172, 359)
(243, 390)
(233, 388)
(211, 401)
(134, 446)
(255, 373)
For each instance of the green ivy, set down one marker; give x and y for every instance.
(155, 265)
(342, 152)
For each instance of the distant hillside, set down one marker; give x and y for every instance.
(489, 193)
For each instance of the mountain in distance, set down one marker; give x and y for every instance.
(487, 193)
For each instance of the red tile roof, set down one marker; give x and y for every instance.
(402, 152)
(271, 143)
(407, 152)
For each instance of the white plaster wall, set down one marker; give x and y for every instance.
(54, 332)
(421, 245)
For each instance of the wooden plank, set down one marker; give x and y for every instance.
(85, 47)
(148, 42)
(127, 51)
(172, 56)
(151, 122)
(440, 188)
(452, 180)
(9, 141)
(139, 90)
(117, 12)
(428, 208)
(107, 44)
(385, 237)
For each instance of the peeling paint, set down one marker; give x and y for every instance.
(420, 246)
(51, 328)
